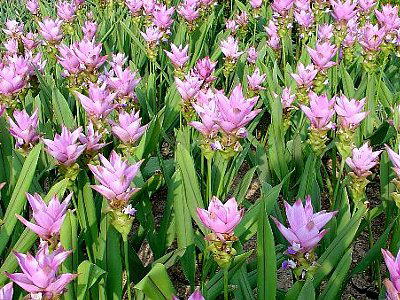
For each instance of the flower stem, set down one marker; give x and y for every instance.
(226, 281)
(128, 277)
(209, 167)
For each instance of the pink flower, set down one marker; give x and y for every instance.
(162, 17)
(230, 48)
(305, 75)
(24, 129)
(11, 46)
(51, 30)
(178, 55)
(366, 5)
(124, 82)
(134, 6)
(115, 177)
(236, 112)
(305, 231)
(195, 296)
(149, 6)
(69, 60)
(371, 37)
(393, 265)
(91, 139)
(48, 218)
(302, 4)
(30, 41)
(350, 111)
(231, 25)
(282, 6)
(272, 31)
(89, 30)
(256, 3)
(99, 103)
(207, 109)
(242, 19)
(33, 6)
(7, 291)
(204, 69)
(128, 129)
(325, 32)
(362, 160)
(305, 18)
(189, 87)
(66, 10)
(12, 79)
(39, 273)
(89, 53)
(152, 35)
(320, 111)
(256, 80)
(221, 218)
(189, 12)
(65, 148)
(343, 11)
(388, 17)
(322, 55)
(287, 97)
(252, 55)
(395, 159)
(13, 28)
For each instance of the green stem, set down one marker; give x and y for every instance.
(209, 169)
(128, 277)
(226, 281)
(338, 181)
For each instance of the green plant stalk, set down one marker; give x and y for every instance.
(128, 277)
(226, 281)
(342, 163)
(209, 169)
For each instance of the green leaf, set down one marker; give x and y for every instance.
(266, 256)
(156, 285)
(307, 292)
(89, 274)
(62, 110)
(190, 182)
(335, 283)
(337, 248)
(18, 197)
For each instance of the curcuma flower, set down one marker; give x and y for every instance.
(7, 291)
(305, 231)
(32, 6)
(39, 273)
(393, 284)
(68, 59)
(204, 69)
(322, 55)
(362, 160)
(89, 54)
(89, 30)
(162, 16)
(178, 55)
(196, 295)
(115, 177)
(51, 30)
(395, 159)
(236, 112)
(91, 140)
(255, 80)
(99, 103)
(128, 129)
(343, 11)
(13, 29)
(24, 129)
(350, 111)
(65, 147)
(66, 10)
(320, 111)
(305, 76)
(123, 82)
(221, 218)
(230, 48)
(48, 218)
